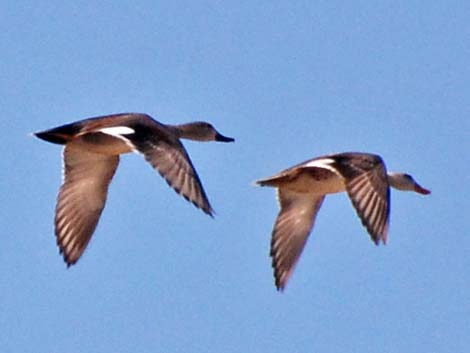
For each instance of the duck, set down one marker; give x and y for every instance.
(91, 155)
(302, 188)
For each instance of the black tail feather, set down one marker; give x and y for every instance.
(59, 135)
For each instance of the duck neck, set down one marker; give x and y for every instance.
(191, 131)
(396, 181)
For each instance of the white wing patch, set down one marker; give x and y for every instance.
(117, 131)
(322, 163)
(120, 132)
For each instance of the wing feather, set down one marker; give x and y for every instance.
(171, 160)
(81, 198)
(291, 230)
(368, 188)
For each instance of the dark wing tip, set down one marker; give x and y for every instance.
(278, 282)
(375, 239)
(377, 235)
(207, 209)
(66, 257)
(205, 206)
(68, 262)
(281, 274)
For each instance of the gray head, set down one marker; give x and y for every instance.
(201, 131)
(405, 182)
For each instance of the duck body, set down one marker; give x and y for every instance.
(91, 156)
(301, 191)
(311, 175)
(108, 134)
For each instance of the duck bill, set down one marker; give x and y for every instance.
(222, 138)
(420, 190)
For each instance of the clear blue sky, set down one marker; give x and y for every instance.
(290, 81)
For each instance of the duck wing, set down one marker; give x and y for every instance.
(81, 198)
(169, 157)
(291, 230)
(368, 188)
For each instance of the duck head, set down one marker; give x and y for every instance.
(201, 131)
(405, 182)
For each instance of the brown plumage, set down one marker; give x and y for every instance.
(91, 156)
(302, 189)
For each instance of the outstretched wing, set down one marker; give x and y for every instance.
(81, 198)
(291, 230)
(169, 157)
(368, 188)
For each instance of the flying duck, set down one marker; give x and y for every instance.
(301, 190)
(91, 156)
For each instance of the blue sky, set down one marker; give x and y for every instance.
(290, 81)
